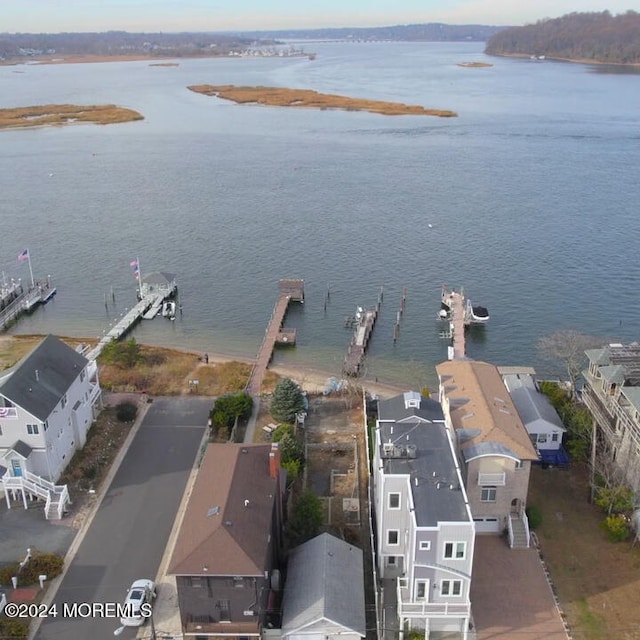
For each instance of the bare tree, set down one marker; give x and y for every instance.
(568, 346)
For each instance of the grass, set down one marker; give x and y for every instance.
(61, 114)
(282, 97)
(597, 581)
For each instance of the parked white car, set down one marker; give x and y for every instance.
(138, 605)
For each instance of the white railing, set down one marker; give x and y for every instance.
(430, 609)
(492, 479)
(52, 494)
(525, 521)
(510, 531)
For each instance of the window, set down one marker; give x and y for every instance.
(45, 424)
(402, 583)
(32, 429)
(0, 430)
(554, 437)
(488, 494)
(519, 464)
(82, 375)
(421, 590)
(393, 536)
(394, 501)
(238, 582)
(425, 545)
(451, 587)
(63, 401)
(196, 582)
(454, 550)
(542, 438)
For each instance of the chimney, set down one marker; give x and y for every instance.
(274, 460)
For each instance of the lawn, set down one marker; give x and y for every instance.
(597, 582)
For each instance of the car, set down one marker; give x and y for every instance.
(138, 603)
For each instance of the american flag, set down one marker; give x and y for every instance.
(23, 256)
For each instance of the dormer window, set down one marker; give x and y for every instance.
(63, 401)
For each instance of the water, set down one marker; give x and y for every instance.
(528, 199)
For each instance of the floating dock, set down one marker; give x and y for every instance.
(289, 291)
(366, 320)
(15, 299)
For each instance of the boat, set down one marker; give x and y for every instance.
(476, 315)
(169, 309)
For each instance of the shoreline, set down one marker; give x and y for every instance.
(527, 56)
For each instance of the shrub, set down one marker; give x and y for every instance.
(126, 412)
(14, 628)
(228, 408)
(306, 518)
(616, 527)
(535, 516)
(7, 572)
(48, 564)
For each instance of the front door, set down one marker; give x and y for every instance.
(16, 468)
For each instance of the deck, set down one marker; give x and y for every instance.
(25, 301)
(455, 300)
(359, 343)
(289, 291)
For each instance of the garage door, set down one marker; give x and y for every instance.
(487, 525)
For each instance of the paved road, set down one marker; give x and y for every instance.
(129, 533)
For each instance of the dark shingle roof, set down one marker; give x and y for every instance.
(43, 376)
(325, 584)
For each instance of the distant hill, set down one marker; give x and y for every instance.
(429, 32)
(599, 37)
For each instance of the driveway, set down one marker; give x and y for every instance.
(128, 535)
(510, 596)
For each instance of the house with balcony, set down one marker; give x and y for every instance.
(612, 395)
(423, 524)
(226, 559)
(540, 419)
(493, 446)
(48, 402)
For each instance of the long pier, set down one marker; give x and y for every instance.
(289, 291)
(359, 342)
(455, 302)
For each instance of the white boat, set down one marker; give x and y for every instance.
(476, 314)
(169, 309)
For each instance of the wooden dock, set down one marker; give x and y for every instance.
(16, 300)
(359, 342)
(289, 291)
(455, 301)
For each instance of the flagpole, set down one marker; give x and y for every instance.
(33, 284)
(139, 278)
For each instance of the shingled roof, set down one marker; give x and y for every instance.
(480, 404)
(42, 377)
(228, 520)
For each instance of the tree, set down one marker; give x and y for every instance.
(306, 518)
(287, 400)
(122, 354)
(568, 346)
(230, 407)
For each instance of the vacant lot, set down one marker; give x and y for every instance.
(597, 582)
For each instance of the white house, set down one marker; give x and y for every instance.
(48, 401)
(424, 527)
(540, 419)
(324, 591)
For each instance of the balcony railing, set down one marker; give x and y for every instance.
(492, 479)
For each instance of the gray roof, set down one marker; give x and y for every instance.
(533, 406)
(482, 449)
(598, 356)
(43, 376)
(613, 373)
(325, 583)
(435, 484)
(632, 394)
(159, 277)
(19, 447)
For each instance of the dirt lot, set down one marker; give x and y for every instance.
(597, 581)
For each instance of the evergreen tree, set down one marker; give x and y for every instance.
(287, 400)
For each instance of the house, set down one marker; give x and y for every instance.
(226, 559)
(612, 395)
(48, 402)
(324, 591)
(423, 525)
(540, 419)
(493, 446)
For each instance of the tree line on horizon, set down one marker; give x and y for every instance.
(601, 37)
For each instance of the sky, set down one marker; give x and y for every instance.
(54, 16)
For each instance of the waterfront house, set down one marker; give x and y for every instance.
(324, 591)
(540, 419)
(48, 402)
(493, 446)
(226, 559)
(423, 525)
(612, 394)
